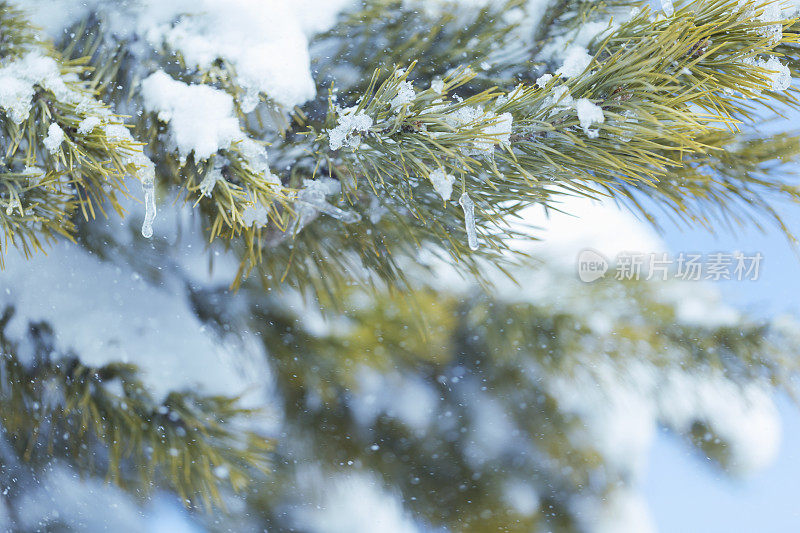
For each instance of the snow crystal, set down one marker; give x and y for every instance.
(773, 13)
(560, 98)
(438, 86)
(88, 124)
(442, 183)
(201, 118)
(55, 136)
(405, 94)
(34, 174)
(211, 178)
(14, 203)
(542, 81)
(500, 129)
(668, 8)
(256, 157)
(254, 214)
(350, 122)
(469, 220)
(588, 114)
(780, 76)
(576, 60)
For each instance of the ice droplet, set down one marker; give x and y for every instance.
(469, 220)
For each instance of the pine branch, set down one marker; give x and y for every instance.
(503, 354)
(62, 150)
(102, 419)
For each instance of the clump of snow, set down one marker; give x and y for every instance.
(543, 80)
(15, 96)
(770, 13)
(437, 85)
(406, 398)
(257, 158)
(346, 132)
(19, 78)
(621, 510)
(588, 114)
(141, 322)
(500, 129)
(55, 136)
(211, 178)
(700, 305)
(318, 15)
(521, 496)
(64, 498)
(405, 94)
(349, 503)
(88, 124)
(493, 129)
(442, 183)
(255, 214)
(780, 76)
(14, 203)
(576, 60)
(560, 98)
(34, 174)
(265, 41)
(743, 416)
(668, 8)
(201, 118)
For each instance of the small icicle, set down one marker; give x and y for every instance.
(348, 217)
(668, 8)
(147, 174)
(469, 220)
(149, 208)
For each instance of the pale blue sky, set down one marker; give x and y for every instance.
(683, 491)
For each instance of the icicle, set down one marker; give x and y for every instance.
(348, 217)
(469, 220)
(147, 174)
(149, 208)
(311, 200)
(211, 178)
(668, 8)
